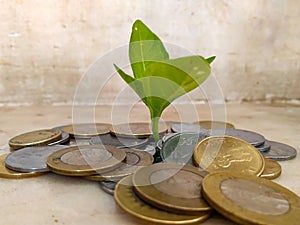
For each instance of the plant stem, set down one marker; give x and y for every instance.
(155, 120)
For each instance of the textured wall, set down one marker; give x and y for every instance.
(45, 46)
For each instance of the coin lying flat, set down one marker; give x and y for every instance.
(33, 138)
(31, 159)
(266, 146)
(78, 141)
(7, 173)
(213, 124)
(133, 161)
(272, 169)
(171, 187)
(65, 138)
(180, 148)
(217, 153)
(108, 186)
(178, 127)
(251, 137)
(280, 151)
(126, 198)
(86, 130)
(85, 160)
(167, 136)
(250, 199)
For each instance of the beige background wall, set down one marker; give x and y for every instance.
(45, 46)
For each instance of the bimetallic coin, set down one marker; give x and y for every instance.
(266, 146)
(213, 124)
(134, 160)
(108, 186)
(34, 138)
(250, 199)
(86, 130)
(31, 159)
(126, 199)
(11, 174)
(272, 169)
(251, 137)
(120, 142)
(65, 138)
(178, 127)
(171, 187)
(85, 160)
(280, 151)
(218, 153)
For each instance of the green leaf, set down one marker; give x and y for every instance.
(145, 48)
(210, 59)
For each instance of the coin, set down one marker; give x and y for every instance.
(140, 130)
(108, 186)
(213, 124)
(253, 138)
(178, 127)
(78, 141)
(33, 138)
(217, 153)
(126, 199)
(250, 199)
(159, 144)
(31, 159)
(7, 173)
(133, 161)
(180, 148)
(272, 169)
(167, 136)
(85, 160)
(280, 151)
(65, 138)
(86, 130)
(264, 147)
(120, 142)
(171, 187)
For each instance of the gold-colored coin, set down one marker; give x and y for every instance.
(250, 199)
(130, 203)
(211, 124)
(217, 153)
(85, 160)
(272, 169)
(171, 187)
(134, 160)
(140, 130)
(7, 173)
(34, 138)
(86, 130)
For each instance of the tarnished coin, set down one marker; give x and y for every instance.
(171, 187)
(280, 151)
(11, 174)
(178, 127)
(180, 148)
(120, 142)
(250, 199)
(140, 130)
(133, 161)
(108, 186)
(266, 146)
(34, 138)
(65, 138)
(272, 169)
(31, 159)
(126, 198)
(213, 124)
(85, 160)
(86, 130)
(251, 137)
(217, 153)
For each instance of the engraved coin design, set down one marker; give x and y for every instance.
(213, 124)
(280, 151)
(120, 142)
(86, 130)
(178, 127)
(272, 169)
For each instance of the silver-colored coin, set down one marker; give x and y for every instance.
(167, 136)
(264, 147)
(65, 138)
(31, 159)
(108, 186)
(178, 127)
(119, 142)
(280, 151)
(159, 144)
(251, 137)
(78, 142)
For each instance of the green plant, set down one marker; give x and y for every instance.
(159, 80)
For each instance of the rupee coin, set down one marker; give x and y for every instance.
(86, 130)
(213, 124)
(280, 151)
(266, 146)
(108, 186)
(178, 127)
(272, 169)
(65, 138)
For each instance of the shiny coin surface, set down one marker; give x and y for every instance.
(272, 169)
(31, 159)
(250, 199)
(120, 142)
(78, 142)
(85, 160)
(212, 124)
(108, 186)
(171, 187)
(134, 160)
(266, 146)
(178, 127)
(7, 173)
(280, 151)
(65, 138)
(86, 130)
(180, 148)
(217, 153)
(33, 138)
(126, 198)
(251, 137)
(140, 130)
(159, 144)
(167, 136)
